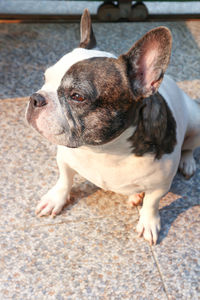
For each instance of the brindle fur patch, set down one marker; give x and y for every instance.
(155, 127)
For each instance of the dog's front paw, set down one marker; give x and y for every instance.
(52, 203)
(149, 226)
(187, 165)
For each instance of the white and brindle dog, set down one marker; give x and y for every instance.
(116, 124)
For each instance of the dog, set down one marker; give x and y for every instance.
(118, 122)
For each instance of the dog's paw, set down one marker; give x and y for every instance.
(136, 199)
(149, 226)
(52, 203)
(187, 165)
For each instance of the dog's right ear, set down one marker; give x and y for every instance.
(87, 39)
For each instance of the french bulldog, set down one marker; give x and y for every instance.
(118, 122)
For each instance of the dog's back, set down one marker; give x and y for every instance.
(186, 112)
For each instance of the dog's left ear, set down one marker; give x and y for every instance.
(147, 61)
(87, 39)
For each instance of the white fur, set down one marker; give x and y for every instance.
(55, 73)
(113, 166)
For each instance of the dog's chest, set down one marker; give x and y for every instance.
(122, 174)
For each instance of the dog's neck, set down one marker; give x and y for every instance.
(119, 146)
(152, 130)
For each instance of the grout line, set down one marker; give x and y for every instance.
(157, 265)
(159, 271)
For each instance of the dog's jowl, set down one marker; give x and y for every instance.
(119, 122)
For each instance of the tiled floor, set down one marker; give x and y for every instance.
(91, 250)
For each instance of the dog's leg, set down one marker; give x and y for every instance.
(149, 222)
(187, 165)
(53, 202)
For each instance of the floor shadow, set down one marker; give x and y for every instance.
(184, 202)
(82, 190)
(169, 214)
(188, 196)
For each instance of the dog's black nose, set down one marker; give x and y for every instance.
(38, 100)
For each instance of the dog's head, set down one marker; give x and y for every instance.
(89, 96)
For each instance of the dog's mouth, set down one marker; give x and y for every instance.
(45, 125)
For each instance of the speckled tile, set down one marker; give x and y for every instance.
(60, 262)
(184, 193)
(17, 150)
(27, 49)
(178, 252)
(194, 27)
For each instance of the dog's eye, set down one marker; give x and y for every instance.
(77, 97)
